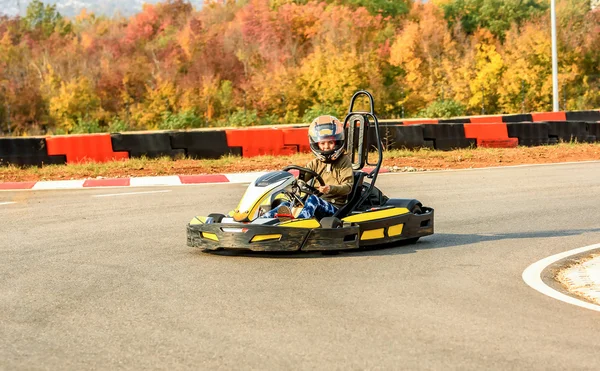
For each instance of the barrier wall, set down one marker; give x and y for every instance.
(151, 145)
(442, 134)
(84, 148)
(203, 144)
(27, 151)
(260, 141)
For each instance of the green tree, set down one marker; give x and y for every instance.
(387, 8)
(495, 15)
(443, 109)
(45, 19)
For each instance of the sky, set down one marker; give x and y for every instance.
(70, 8)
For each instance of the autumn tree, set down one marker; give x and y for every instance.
(429, 57)
(284, 61)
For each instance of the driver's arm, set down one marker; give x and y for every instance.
(346, 178)
(312, 165)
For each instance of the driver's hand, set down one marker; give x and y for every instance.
(324, 189)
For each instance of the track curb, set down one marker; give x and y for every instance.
(167, 180)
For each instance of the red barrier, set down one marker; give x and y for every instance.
(296, 137)
(549, 116)
(486, 119)
(259, 141)
(208, 178)
(419, 121)
(112, 182)
(486, 131)
(490, 135)
(84, 148)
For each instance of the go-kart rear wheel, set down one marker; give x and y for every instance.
(217, 218)
(331, 222)
(332, 252)
(416, 209)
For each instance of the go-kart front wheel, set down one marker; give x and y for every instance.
(217, 218)
(331, 222)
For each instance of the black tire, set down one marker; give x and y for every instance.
(331, 252)
(331, 222)
(416, 209)
(412, 241)
(217, 218)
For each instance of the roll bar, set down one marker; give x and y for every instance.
(357, 143)
(357, 125)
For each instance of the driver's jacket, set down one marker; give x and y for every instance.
(338, 175)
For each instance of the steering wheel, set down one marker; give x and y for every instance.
(304, 186)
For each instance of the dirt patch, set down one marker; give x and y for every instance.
(578, 279)
(417, 160)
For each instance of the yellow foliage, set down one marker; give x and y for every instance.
(429, 56)
(528, 72)
(184, 40)
(158, 101)
(87, 40)
(489, 67)
(74, 99)
(331, 77)
(5, 41)
(278, 94)
(84, 16)
(440, 3)
(190, 99)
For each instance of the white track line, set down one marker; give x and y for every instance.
(58, 184)
(7, 203)
(130, 193)
(168, 180)
(532, 277)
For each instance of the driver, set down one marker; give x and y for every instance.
(327, 142)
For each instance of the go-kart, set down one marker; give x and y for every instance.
(368, 218)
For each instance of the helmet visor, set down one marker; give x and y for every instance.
(326, 132)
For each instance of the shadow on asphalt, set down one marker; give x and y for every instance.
(436, 241)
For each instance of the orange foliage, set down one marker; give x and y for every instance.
(279, 59)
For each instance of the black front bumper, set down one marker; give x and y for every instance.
(213, 237)
(216, 236)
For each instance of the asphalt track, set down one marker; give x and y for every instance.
(108, 282)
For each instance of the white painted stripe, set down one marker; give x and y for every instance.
(244, 177)
(7, 203)
(169, 180)
(131, 193)
(532, 277)
(58, 184)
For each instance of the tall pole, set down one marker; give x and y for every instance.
(554, 58)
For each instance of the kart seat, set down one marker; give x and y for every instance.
(354, 195)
